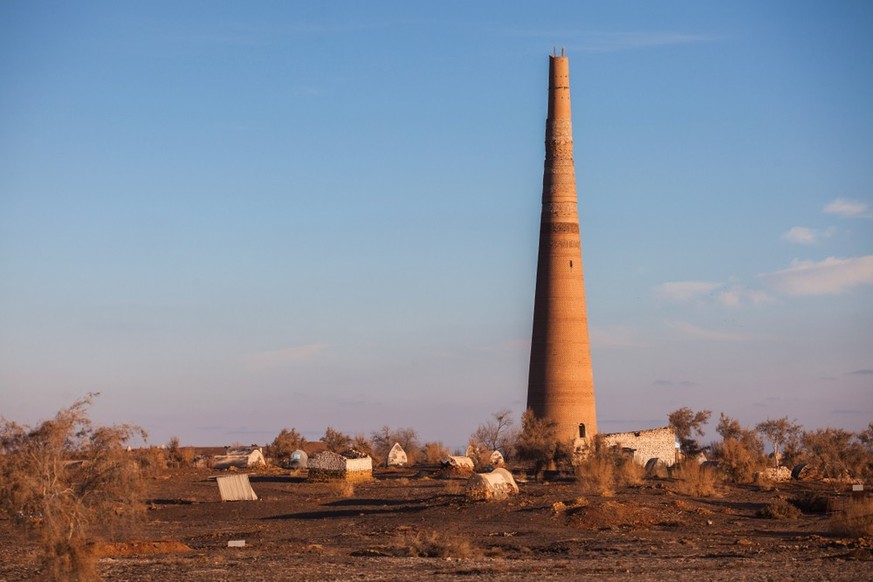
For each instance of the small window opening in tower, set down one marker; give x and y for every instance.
(581, 430)
(571, 265)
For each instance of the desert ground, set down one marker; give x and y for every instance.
(409, 524)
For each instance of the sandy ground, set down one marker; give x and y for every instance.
(404, 526)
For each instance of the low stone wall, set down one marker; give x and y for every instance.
(656, 443)
(328, 466)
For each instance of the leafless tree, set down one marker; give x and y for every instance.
(780, 433)
(496, 434)
(384, 438)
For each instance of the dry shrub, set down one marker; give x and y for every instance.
(152, 460)
(341, 488)
(433, 452)
(629, 472)
(607, 468)
(695, 480)
(779, 509)
(434, 544)
(740, 458)
(856, 520)
(179, 456)
(69, 482)
(596, 475)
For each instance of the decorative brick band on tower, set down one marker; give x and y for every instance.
(561, 382)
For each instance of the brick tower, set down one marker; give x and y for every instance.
(561, 382)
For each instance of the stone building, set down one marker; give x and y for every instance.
(655, 443)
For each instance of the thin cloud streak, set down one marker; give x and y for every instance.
(728, 295)
(848, 208)
(831, 276)
(686, 290)
(698, 332)
(803, 235)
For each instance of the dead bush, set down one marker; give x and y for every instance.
(152, 461)
(179, 456)
(779, 509)
(538, 446)
(855, 520)
(629, 472)
(284, 445)
(433, 452)
(435, 544)
(596, 475)
(69, 482)
(606, 468)
(838, 454)
(740, 457)
(695, 480)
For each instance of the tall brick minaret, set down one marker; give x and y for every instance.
(561, 382)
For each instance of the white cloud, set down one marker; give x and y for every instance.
(828, 277)
(707, 334)
(278, 358)
(803, 235)
(686, 290)
(849, 208)
(736, 295)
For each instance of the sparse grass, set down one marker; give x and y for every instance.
(695, 480)
(596, 475)
(856, 520)
(454, 487)
(629, 472)
(779, 509)
(341, 488)
(434, 544)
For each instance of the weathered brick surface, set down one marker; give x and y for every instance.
(657, 443)
(561, 382)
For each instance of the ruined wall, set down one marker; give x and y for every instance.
(647, 444)
(328, 466)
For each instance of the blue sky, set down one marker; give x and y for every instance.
(230, 219)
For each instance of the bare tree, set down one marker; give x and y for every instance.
(69, 482)
(779, 432)
(496, 435)
(335, 440)
(687, 422)
(363, 445)
(384, 438)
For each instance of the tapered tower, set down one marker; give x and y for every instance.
(561, 382)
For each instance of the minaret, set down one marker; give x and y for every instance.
(561, 382)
